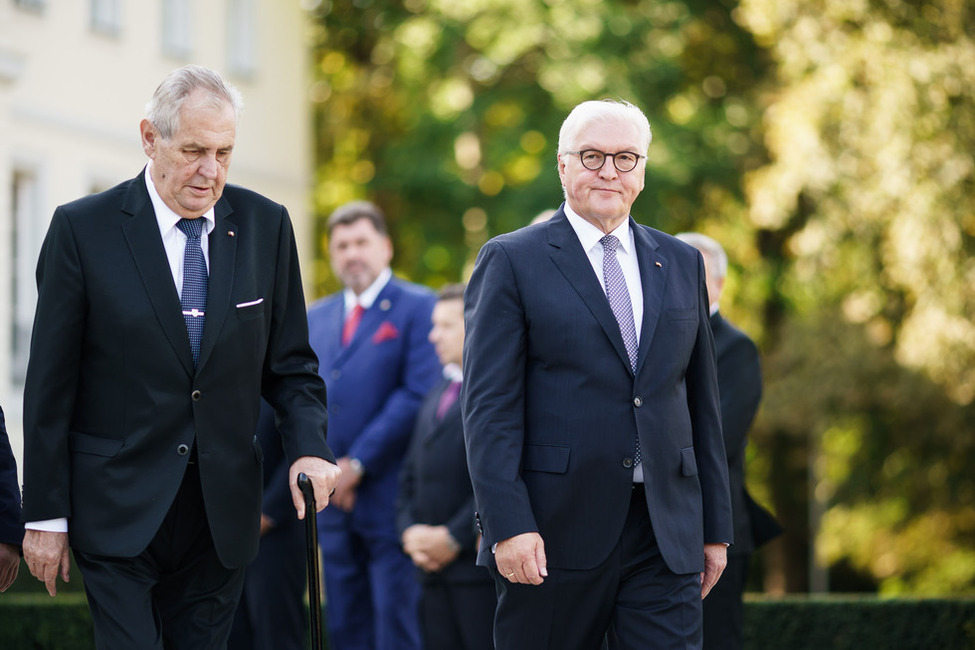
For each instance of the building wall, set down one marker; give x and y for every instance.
(74, 80)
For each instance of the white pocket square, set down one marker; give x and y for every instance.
(250, 303)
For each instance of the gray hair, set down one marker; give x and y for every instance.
(164, 107)
(714, 255)
(588, 113)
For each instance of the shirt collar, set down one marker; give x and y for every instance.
(164, 215)
(367, 297)
(589, 235)
(453, 372)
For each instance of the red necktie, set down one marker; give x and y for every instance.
(351, 323)
(447, 398)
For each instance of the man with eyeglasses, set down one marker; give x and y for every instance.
(591, 412)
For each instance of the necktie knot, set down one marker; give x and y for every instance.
(192, 228)
(610, 243)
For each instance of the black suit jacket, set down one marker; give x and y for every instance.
(112, 400)
(740, 385)
(435, 486)
(552, 408)
(11, 531)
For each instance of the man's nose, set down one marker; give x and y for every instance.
(208, 166)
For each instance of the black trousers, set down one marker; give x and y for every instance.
(458, 616)
(174, 595)
(724, 611)
(631, 601)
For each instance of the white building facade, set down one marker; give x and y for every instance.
(75, 76)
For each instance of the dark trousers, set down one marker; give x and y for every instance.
(458, 616)
(271, 614)
(372, 597)
(631, 600)
(175, 594)
(723, 608)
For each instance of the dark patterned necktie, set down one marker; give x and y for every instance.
(619, 302)
(194, 294)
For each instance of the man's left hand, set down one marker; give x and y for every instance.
(324, 477)
(715, 560)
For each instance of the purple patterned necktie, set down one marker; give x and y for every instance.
(619, 302)
(194, 294)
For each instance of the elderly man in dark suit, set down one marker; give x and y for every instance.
(167, 306)
(740, 385)
(11, 530)
(591, 412)
(435, 508)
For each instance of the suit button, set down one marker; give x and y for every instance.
(196, 395)
(627, 463)
(182, 450)
(638, 401)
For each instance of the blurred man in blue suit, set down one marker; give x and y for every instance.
(371, 340)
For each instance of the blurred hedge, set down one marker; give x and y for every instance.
(37, 622)
(858, 623)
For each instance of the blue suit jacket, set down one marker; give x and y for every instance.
(375, 387)
(552, 408)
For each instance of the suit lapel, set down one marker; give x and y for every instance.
(223, 255)
(574, 264)
(371, 318)
(654, 270)
(141, 232)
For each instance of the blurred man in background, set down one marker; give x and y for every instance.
(740, 387)
(371, 339)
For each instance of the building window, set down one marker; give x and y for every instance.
(106, 17)
(33, 5)
(25, 244)
(242, 37)
(177, 37)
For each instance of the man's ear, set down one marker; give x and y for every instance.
(149, 137)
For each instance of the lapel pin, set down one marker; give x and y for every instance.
(231, 233)
(385, 305)
(659, 265)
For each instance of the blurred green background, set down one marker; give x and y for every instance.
(826, 143)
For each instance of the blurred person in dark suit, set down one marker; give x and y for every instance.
(740, 387)
(271, 614)
(11, 530)
(435, 507)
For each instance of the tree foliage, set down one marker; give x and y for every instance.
(826, 143)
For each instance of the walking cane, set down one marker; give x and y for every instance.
(311, 542)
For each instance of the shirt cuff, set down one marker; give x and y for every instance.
(59, 525)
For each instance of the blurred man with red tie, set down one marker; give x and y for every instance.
(371, 341)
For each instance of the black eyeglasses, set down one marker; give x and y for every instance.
(593, 159)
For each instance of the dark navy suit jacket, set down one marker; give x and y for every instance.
(740, 385)
(552, 408)
(435, 487)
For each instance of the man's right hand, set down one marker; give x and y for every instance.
(46, 555)
(522, 559)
